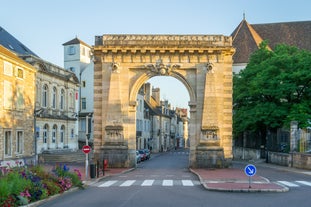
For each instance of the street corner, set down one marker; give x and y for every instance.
(110, 172)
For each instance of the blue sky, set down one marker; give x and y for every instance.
(44, 25)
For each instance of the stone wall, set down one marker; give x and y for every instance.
(246, 153)
(297, 160)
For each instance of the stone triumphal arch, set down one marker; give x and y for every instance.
(203, 63)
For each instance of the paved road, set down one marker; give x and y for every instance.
(165, 181)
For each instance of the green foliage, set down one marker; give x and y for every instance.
(274, 89)
(52, 187)
(17, 184)
(23, 185)
(75, 179)
(10, 188)
(4, 191)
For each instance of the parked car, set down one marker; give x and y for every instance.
(138, 158)
(147, 153)
(142, 155)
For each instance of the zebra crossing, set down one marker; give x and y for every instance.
(294, 184)
(184, 183)
(148, 182)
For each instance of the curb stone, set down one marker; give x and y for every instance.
(239, 188)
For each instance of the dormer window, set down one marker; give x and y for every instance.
(71, 50)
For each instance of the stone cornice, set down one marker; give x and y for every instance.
(196, 41)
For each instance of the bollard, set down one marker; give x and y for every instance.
(92, 170)
(105, 164)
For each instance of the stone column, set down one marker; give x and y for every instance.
(293, 136)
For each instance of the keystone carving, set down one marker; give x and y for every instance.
(115, 67)
(209, 67)
(162, 69)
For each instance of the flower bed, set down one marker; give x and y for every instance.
(23, 185)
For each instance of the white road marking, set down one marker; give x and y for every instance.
(108, 183)
(151, 182)
(187, 183)
(167, 183)
(127, 183)
(304, 183)
(289, 184)
(147, 183)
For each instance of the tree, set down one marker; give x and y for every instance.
(273, 89)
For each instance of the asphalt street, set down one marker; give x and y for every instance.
(165, 181)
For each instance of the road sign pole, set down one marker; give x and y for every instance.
(250, 171)
(87, 144)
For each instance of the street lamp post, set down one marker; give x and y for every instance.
(36, 112)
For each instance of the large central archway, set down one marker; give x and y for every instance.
(203, 63)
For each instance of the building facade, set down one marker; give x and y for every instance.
(143, 122)
(78, 59)
(17, 98)
(55, 106)
(246, 38)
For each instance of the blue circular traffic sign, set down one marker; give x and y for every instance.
(250, 170)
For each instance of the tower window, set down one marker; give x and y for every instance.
(71, 50)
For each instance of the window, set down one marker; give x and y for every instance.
(72, 134)
(54, 92)
(20, 73)
(82, 124)
(71, 101)
(8, 143)
(45, 133)
(20, 97)
(37, 132)
(72, 69)
(8, 95)
(44, 96)
(83, 103)
(19, 142)
(83, 84)
(8, 68)
(71, 50)
(62, 134)
(62, 99)
(54, 132)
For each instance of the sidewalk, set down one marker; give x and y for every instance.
(235, 180)
(81, 168)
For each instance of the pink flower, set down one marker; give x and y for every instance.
(78, 173)
(25, 194)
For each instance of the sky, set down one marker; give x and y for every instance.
(44, 25)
